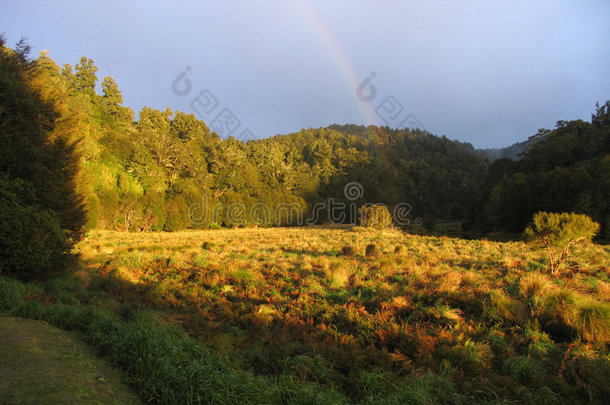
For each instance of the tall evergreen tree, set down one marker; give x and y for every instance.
(85, 75)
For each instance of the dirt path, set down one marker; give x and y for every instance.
(40, 364)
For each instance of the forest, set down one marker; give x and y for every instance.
(144, 174)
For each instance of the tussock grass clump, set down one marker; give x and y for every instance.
(207, 245)
(560, 306)
(593, 321)
(534, 287)
(401, 302)
(200, 260)
(499, 307)
(471, 279)
(338, 274)
(400, 250)
(449, 281)
(603, 291)
(348, 251)
(372, 251)
(472, 356)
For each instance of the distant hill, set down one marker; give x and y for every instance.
(512, 152)
(436, 176)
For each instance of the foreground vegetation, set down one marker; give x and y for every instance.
(335, 315)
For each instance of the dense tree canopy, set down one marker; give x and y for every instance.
(41, 214)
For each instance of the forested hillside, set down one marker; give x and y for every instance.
(565, 169)
(145, 174)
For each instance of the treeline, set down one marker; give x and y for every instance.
(169, 171)
(149, 174)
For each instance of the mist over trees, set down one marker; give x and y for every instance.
(87, 160)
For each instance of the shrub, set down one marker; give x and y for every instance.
(558, 232)
(375, 216)
(31, 240)
(176, 215)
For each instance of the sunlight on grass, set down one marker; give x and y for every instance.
(309, 303)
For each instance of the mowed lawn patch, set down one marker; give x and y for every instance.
(41, 364)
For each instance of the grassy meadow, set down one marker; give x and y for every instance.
(335, 315)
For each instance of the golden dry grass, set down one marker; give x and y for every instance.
(265, 296)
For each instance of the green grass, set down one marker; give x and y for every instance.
(44, 365)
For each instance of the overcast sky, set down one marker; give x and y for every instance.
(486, 72)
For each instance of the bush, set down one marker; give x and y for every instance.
(558, 232)
(31, 240)
(375, 216)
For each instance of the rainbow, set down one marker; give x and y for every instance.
(341, 60)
